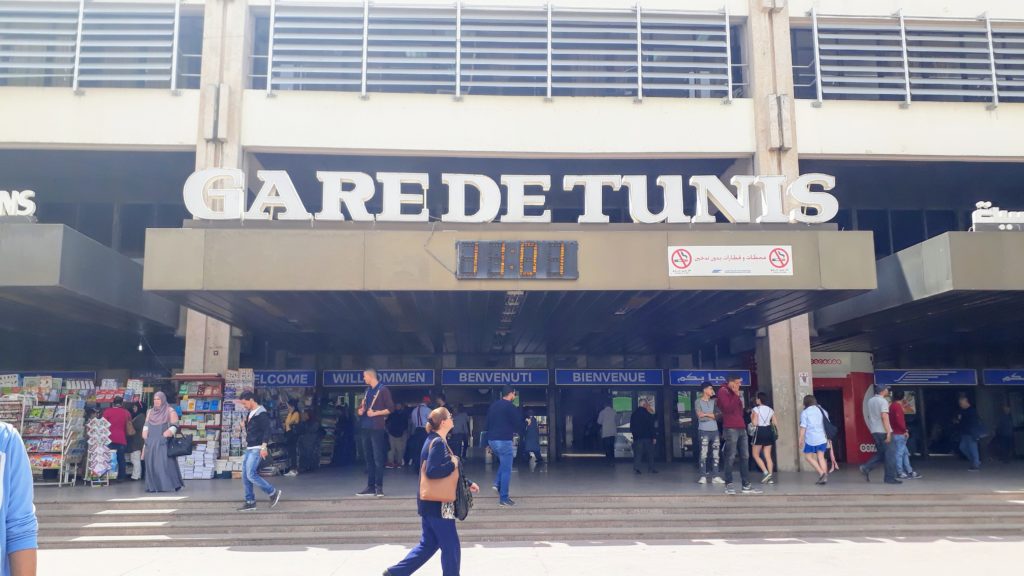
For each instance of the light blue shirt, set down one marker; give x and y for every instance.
(18, 525)
(813, 422)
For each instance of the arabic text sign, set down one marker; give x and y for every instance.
(927, 377)
(1004, 377)
(768, 260)
(609, 377)
(285, 378)
(699, 377)
(334, 378)
(459, 377)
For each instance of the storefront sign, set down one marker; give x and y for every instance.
(62, 375)
(988, 217)
(460, 377)
(220, 194)
(699, 377)
(840, 364)
(769, 260)
(334, 378)
(611, 377)
(1004, 377)
(17, 203)
(924, 377)
(285, 378)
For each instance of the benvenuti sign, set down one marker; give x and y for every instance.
(220, 194)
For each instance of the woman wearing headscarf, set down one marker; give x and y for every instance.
(162, 473)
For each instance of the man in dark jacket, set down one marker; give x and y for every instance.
(642, 426)
(730, 404)
(503, 422)
(257, 437)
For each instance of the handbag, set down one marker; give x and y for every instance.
(830, 429)
(463, 496)
(179, 445)
(439, 489)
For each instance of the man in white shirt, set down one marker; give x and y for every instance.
(608, 420)
(876, 416)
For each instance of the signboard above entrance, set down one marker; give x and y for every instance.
(221, 193)
(598, 377)
(17, 203)
(699, 377)
(730, 260)
(285, 378)
(927, 377)
(1004, 377)
(334, 378)
(494, 377)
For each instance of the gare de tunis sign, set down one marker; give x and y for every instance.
(220, 194)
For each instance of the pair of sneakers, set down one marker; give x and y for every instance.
(378, 492)
(747, 488)
(911, 476)
(250, 506)
(714, 480)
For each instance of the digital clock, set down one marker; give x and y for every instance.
(517, 260)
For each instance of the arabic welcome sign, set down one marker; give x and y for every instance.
(768, 260)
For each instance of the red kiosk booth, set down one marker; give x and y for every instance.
(842, 383)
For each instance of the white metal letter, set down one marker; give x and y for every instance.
(593, 195)
(490, 198)
(672, 208)
(518, 199)
(772, 200)
(824, 203)
(735, 208)
(205, 202)
(277, 193)
(362, 191)
(394, 198)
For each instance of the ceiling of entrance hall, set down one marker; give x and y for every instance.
(592, 322)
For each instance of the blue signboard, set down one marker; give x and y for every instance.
(285, 378)
(1004, 377)
(699, 377)
(460, 377)
(927, 377)
(609, 377)
(335, 378)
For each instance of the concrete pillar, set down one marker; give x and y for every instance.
(784, 353)
(227, 31)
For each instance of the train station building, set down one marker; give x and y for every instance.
(595, 200)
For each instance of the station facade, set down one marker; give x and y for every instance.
(602, 200)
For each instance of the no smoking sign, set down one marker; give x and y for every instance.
(778, 258)
(681, 259)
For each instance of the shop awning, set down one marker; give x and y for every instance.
(54, 281)
(393, 289)
(954, 285)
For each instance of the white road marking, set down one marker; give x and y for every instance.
(149, 499)
(128, 512)
(125, 524)
(119, 538)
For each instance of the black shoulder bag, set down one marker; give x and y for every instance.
(830, 429)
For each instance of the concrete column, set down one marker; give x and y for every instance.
(784, 353)
(227, 31)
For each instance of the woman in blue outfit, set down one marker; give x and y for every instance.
(439, 530)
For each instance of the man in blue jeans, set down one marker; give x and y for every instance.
(503, 421)
(257, 436)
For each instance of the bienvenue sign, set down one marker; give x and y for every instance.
(220, 194)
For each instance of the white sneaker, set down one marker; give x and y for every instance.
(718, 480)
(702, 480)
(291, 474)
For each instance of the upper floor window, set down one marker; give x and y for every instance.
(116, 44)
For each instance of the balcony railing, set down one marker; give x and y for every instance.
(462, 49)
(906, 59)
(92, 43)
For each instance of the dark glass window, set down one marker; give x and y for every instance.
(907, 228)
(878, 222)
(844, 219)
(939, 222)
(58, 213)
(97, 222)
(134, 219)
(171, 215)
